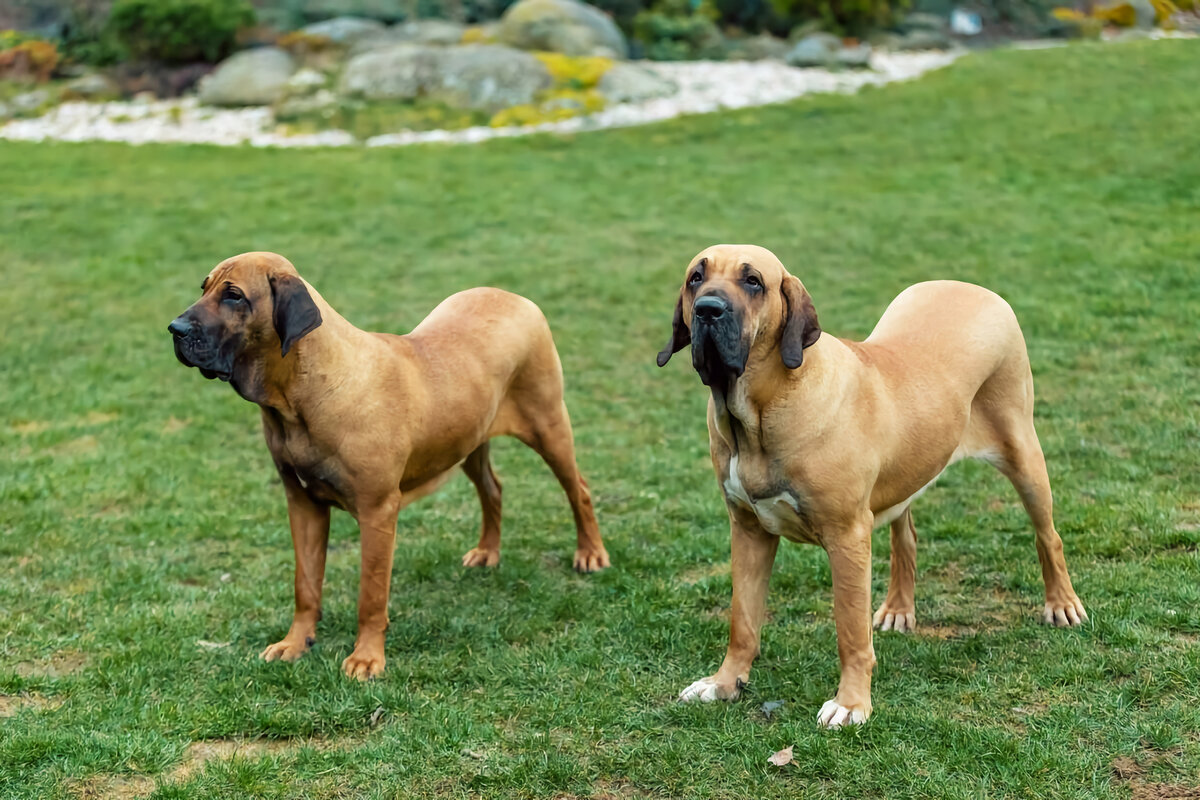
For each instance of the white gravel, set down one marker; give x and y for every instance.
(704, 86)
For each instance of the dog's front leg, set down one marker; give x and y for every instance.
(753, 555)
(377, 528)
(849, 552)
(309, 522)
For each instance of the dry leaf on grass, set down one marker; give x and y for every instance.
(782, 758)
(211, 645)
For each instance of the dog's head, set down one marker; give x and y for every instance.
(738, 301)
(249, 304)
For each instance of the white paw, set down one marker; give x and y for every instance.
(1065, 614)
(835, 715)
(704, 690)
(892, 621)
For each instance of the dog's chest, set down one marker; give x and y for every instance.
(777, 507)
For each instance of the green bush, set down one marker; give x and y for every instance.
(179, 31)
(846, 16)
(675, 30)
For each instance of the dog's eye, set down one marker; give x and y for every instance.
(695, 279)
(232, 295)
(753, 281)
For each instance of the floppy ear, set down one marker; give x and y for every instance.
(800, 326)
(296, 315)
(681, 337)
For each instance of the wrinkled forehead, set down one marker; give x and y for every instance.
(730, 258)
(245, 269)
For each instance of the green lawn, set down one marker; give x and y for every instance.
(139, 513)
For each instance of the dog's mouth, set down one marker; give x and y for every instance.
(192, 352)
(718, 353)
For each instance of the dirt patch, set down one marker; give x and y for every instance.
(59, 665)
(10, 704)
(174, 425)
(75, 447)
(1127, 770)
(30, 428)
(690, 577)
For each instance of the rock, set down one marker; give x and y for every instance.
(1146, 15)
(562, 26)
(249, 78)
(757, 48)
(965, 23)
(293, 107)
(305, 81)
(430, 31)
(92, 85)
(486, 76)
(382, 10)
(857, 57)
(5, 112)
(29, 102)
(815, 50)
(919, 21)
(629, 83)
(923, 40)
(345, 30)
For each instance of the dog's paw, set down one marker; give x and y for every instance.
(1065, 612)
(835, 715)
(591, 560)
(478, 557)
(706, 690)
(289, 649)
(364, 664)
(902, 620)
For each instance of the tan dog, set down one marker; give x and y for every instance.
(370, 421)
(819, 440)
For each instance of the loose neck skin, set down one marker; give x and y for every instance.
(281, 383)
(740, 405)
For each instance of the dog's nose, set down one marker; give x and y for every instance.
(710, 308)
(179, 327)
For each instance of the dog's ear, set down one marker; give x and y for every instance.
(295, 315)
(681, 337)
(800, 326)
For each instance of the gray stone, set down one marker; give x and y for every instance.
(920, 21)
(815, 50)
(29, 102)
(562, 26)
(293, 107)
(487, 77)
(305, 81)
(5, 112)
(858, 57)
(629, 83)
(430, 31)
(91, 86)
(1147, 17)
(345, 30)
(249, 78)
(923, 40)
(758, 48)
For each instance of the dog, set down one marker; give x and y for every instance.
(369, 422)
(817, 439)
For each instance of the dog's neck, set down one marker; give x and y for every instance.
(741, 403)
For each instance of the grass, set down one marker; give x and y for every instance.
(139, 514)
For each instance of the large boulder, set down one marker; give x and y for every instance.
(815, 50)
(488, 77)
(562, 26)
(430, 31)
(629, 83)
(345, 30)
(249, 78)
(92, 86)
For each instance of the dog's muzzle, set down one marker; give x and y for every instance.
(718, 353)
(193, 349)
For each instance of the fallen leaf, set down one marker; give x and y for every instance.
(212, 645)
(473, 754)
(782, 758)
(770, 707)
(376, 715)
(226, 577)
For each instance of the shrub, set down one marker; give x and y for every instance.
(179, 31)
(846, 16)
(673, 31)
(32, 59)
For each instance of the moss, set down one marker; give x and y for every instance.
(364, 120)
(552, 106)
(575, 72)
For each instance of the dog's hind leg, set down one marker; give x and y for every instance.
(550, 435)
(899, 612)
(478, 467)
(1017, 453)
